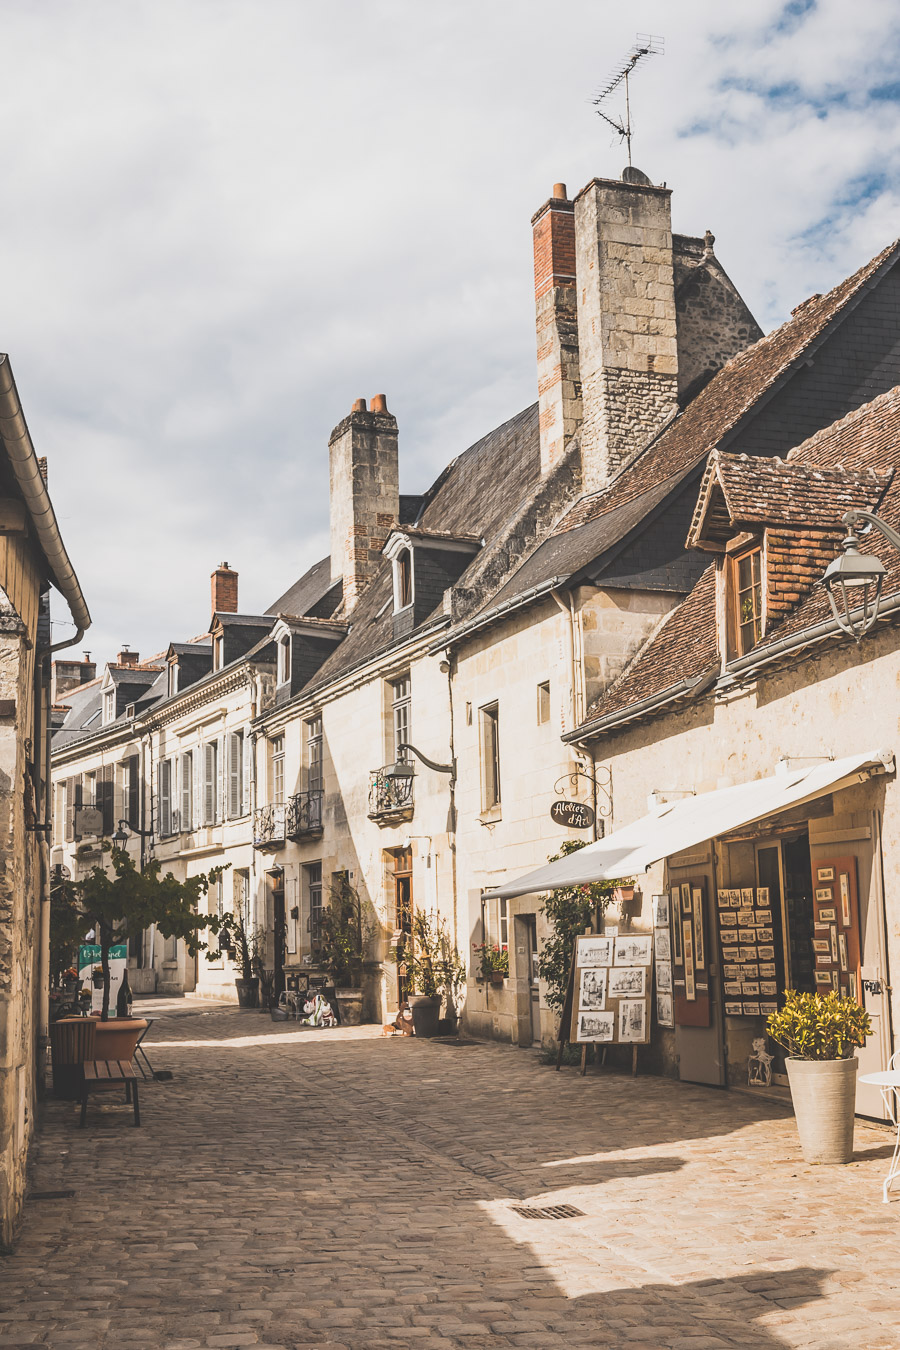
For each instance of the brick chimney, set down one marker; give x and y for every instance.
(224, 590)
(127, 657)
(626, 320)
(556, 319)
(365, 493)
(68, 675)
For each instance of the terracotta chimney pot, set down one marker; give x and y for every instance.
(379, 403)
(359, 406)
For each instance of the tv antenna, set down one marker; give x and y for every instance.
(645, 44)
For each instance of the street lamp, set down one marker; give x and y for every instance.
(404, 769)
(854, 580)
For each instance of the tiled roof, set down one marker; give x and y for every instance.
(858, 455)
(750, 491)
(730, 395)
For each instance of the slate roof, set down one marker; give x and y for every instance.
(750, 491)
(307, 594)
(858, 455)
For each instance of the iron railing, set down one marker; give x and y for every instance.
(390, 797)
(268, 827)
(304, 814)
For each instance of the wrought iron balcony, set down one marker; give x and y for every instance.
(391, 795)
(268, 827)
(304, 814)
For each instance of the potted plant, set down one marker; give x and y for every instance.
(247, 944)
(494, 961)
(434, 970)
(346, 932)
(820, 1033)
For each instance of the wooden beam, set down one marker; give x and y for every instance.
(13, 516)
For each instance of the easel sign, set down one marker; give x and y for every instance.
(610, 985)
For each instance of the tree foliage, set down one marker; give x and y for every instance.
(569, 910)
(346, 932)
(431, 959)
(819, 1026)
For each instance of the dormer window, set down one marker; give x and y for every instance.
(173, 678)
(218, 647)
(403, 583)
(284, 659)
(746, 588)
(109, 705)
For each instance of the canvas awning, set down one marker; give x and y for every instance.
(675, 826)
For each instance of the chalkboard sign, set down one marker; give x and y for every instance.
(574, 815)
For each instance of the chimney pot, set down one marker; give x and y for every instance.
(224, 590)
(359, 406)
(379, 403)
(559, 191)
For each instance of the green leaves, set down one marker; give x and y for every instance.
(569, 911)
(819, 1026)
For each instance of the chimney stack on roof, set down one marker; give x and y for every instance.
(556, 320)
(68, 675)
(127, 657)
(224, 590)
(364, 495)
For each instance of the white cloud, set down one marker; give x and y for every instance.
(226, 219)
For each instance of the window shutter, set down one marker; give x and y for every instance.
(247, 746)
(187, 784)
(209, 783)
(174, 793)
(165, 797)
(104, 795)
(133, 806)
(220, 779)
(197, 795)
(70, 808)
(120, 775)
(235, 772)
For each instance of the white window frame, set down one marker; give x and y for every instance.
(315, 902)
(109, 705)
(401, 714)
(284, 658)
(209, 795)
(489, 736)
(236, 752)
(315, 768)
(187, 790)
(276, 770)
(165, 785)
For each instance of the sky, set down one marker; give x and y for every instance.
(225, 220)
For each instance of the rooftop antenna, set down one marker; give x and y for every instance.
(645, 44)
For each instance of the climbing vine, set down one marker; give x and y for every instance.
(569, 911)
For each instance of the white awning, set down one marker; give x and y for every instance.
(676, 826)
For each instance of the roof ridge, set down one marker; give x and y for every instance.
(864, 410)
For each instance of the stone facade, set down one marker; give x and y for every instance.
(556, 315)
(365, 491)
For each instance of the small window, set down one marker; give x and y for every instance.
(543, 702)
(747, 581)
(314, 772)
(284, 659)
(404, 580)
(276, 774)
(401, 705)
(173, 678)
(109, 705)
(218, 651)
(490, 756)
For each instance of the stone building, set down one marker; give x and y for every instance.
(32, 560)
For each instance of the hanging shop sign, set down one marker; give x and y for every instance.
(574, 815)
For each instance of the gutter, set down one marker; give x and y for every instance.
(23, 462)
(818, 632)
(697, 684)
(499, 611)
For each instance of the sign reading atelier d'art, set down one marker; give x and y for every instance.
(612, 989)
(574, 815)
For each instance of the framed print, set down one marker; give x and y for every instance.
(660, 911)
(745, 918)
(733, 1009)
(834, 944)
(633, 1020)
(845, 899)
(750, 971)
(690, 990)
(662, 949)
(822, 977)
(663, 977)
(824, 874)
(751, 1009)
(842, 950)
(723, 899)
(748, 953)
(594, 951)
(835, 982)
(821, 945)
(735, 900)
(596, 1026)
(699, 953)
(824, 961)
(825, 916)
(685, 897)
(765, 935)
(731, 972)
(768, 987)
(747, 896)
(767, 970)
(853, 990)
(633, 949)
(592, 990)
(728, 936)
(627, 981)
(664, 1012)
(750, 987)
(762, 895)
(766, 953)
(764, 917)
(732, 987)
(824, 895)
(675, 898)
(728, 918)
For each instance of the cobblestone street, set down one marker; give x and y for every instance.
(292, 1188)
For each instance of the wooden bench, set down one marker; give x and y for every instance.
(102, 1074)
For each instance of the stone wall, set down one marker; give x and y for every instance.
(364, 494)
(556, 318)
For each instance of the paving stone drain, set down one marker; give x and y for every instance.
(551, 1212)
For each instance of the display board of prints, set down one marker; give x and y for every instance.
(662, 961)
(836, 928)
(691, 954)
(613, 987)
(747, 939)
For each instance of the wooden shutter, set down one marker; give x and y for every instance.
(197, 793)
(165, 797)
(133, 804)
(70, 809)
(209, 783)
(220, 780)
(104, 795)
(187, 788)
(247, 745)
(235, 773)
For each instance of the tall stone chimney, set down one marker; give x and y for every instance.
(68, 675)
(224, 590)
(365, 493)
(556, 319)
(626, 320)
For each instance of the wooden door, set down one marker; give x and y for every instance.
(698, 1020)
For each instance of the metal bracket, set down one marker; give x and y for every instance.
(603, 787)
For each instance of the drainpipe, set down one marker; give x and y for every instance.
(569, 611)
(451, 831)
(254, 705)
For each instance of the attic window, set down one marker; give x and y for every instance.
(403, 580)
(173, 678)
(109, 706)
(284, 659)
(746, 587)
(218, 651)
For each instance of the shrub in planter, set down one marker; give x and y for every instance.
(248, 945)
(429, 958)
(820, 1033)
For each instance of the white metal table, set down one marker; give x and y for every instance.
(888, 1083)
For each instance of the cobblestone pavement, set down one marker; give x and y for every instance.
(308, 1189)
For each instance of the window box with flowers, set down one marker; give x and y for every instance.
(494, 962)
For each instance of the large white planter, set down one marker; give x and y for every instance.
(824, 1095)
